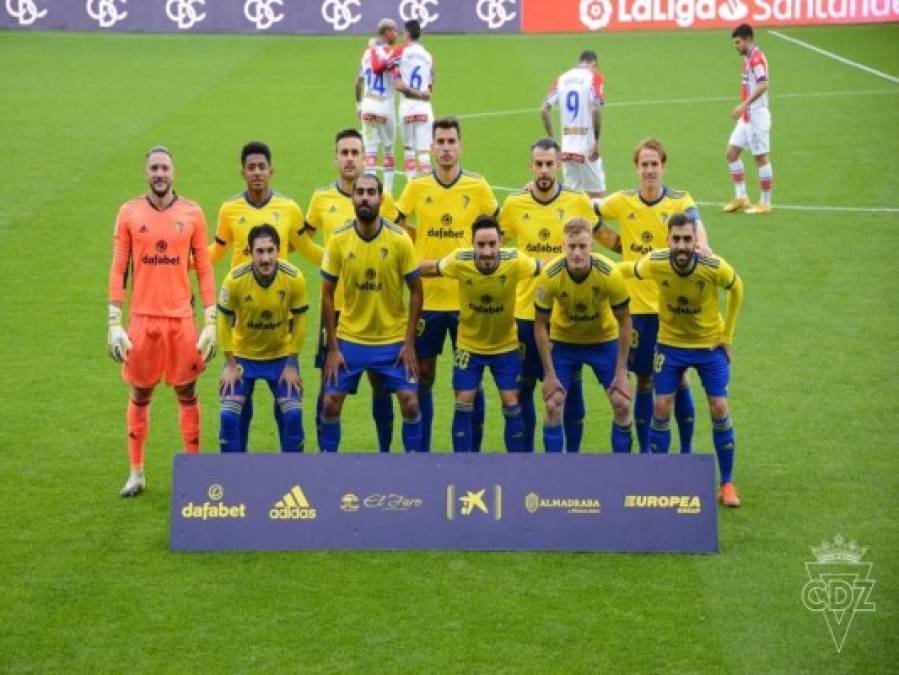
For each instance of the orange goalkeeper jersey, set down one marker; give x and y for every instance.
(158, 245)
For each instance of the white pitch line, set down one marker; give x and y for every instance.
(676, 101)
(836, 57)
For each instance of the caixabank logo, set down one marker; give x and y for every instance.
(292, 506)
(465, 504)
(686, 504)
(215, 508)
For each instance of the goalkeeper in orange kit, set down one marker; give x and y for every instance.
(159, 233)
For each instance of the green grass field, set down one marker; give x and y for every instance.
(87, 582)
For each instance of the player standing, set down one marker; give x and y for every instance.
(438, 210)
(259, 205)
(753, 128)
(329, 208)
(579, 94)
(486, 277)
(376, 85)
(416, 67)
(581, 303)
(375, 258)
(158, 234)
(692, 334)
(261, 324)
(534, 219)
(642, 217)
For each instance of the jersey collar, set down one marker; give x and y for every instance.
(451, 183)
(337, 187)
(262, 204)
(262, 282)
(167, 206)
(571, 276)
(653, 203)
(374, 236)
(551, 199)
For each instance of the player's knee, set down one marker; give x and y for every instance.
(718, 407)
(331, 406)
(508, 397)
(662, 406)
(409, 407)
(141, 396)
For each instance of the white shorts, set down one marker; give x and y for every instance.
(584, 176)
(416, 121)
(754, 135)
(378, 130)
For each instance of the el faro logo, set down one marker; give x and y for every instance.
(215, 509)
(689, 504)
(292, 506)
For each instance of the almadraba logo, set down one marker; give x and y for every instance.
(292, 506)
(215, 508)
(680, 503)
(597, 14)
(574, 505)
(26, 12)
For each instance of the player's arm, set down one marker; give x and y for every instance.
(416, 302)
(206, 281)
(405, 208)
(302, 243)
(116, 338)
(386, 59)
(225, 318)
(334, 360)
(734, 303)
(359, 81)
(429, 268)
(603, 234)
(546, 109)
(290, 375)
(408, 91)
(597, 127)
(219, 246)
(621, 383)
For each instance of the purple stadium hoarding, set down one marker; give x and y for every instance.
(451, 502)
(260, 16)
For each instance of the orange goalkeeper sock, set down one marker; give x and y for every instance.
(138, 420)
(189, 418)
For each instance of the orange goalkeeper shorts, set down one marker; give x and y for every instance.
(162, 346)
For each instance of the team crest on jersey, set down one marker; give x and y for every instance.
(276, 216)
(502, 280)
(465, 201)
(664, 217)
(282, 295)
(561, 213)
(595, 291)
(446, 219)
(701, 285)
(543, 234)
(383, 253)
(179, 227)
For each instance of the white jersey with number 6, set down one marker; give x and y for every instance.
(576, 91)
(378, 92)
(417, 72)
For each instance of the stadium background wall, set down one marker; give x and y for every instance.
(327, 17)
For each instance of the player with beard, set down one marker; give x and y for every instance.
(692, 334)
(534, 219)
(487, 277)
(158, 235)
(331, 207)
(375, 258)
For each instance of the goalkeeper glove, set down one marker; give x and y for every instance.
(206, 343)
(117, 338)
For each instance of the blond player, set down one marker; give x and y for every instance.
(158, 233)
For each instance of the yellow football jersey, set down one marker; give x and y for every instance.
(581, 310)
(536, 228)
(238, 216)
(441, 216)
(689, 313)
(487, 301)
(263, 322)
(374, 273)
(643, 227)
(331, 207)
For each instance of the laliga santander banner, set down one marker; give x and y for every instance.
(571, 16)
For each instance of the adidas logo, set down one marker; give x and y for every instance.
(632, 216)
(242, 221)
(428, 200)
(351, 256)
(144, 228)
(526, 216)
(292, 506)
(249, 298)
(333, 209)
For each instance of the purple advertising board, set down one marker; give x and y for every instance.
(260, 16)
(443, 501)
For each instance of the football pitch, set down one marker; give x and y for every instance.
(87, 582)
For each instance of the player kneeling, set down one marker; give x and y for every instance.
(261, 324)
(582, 318)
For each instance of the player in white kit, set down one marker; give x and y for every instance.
(579, 94)
(416, 68)
(753, 128)
(377, 82)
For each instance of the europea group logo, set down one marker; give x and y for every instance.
(687, 504)
(215, 508)
(292, 506)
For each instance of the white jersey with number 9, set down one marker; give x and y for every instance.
(576, 91)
